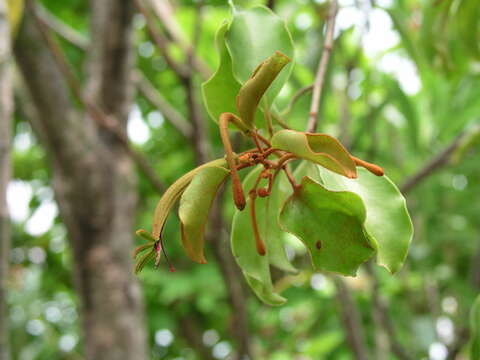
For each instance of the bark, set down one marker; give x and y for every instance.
(93, 176)
(6, 105)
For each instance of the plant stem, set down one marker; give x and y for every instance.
(322, 68)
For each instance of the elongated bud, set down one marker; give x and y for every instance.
(260, 245)
(238, 196)
(374, 169)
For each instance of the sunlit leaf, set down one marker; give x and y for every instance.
(330, 224)
(319, 148)
(387, 221)
(254, 35)
(194, 207)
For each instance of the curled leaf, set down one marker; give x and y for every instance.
(254, 35)
(319, 148)
(330, 224)
(252, 91)
(173, 193)
(194, 207)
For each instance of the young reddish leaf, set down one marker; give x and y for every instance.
(144, 259)
(252, 91)
(194, 207)
(330, 224)
(388, 222)
(319, 148)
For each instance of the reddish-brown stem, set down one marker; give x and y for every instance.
(264, 140)
(265, 192)
(258, 240)
(374, 169)
(257, 143)
(269, 152)
(284, 159)
(238, 196)
(290, 177)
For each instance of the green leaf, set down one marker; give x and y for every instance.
(319, 148)
(173, 193)
(220, 91)
(475, 330)
(330, 224)
(387, 222)
(194, 207)
(254, 35)
(144, 260)
(252, 91)
(256, 268)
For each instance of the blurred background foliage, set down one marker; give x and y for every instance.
(403, 83)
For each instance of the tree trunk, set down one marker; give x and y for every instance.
(6, 105)
(93, 176)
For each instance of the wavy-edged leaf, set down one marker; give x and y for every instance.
(319, 148)
(387, 221)
(475, 330)
(256, 268)
(252, 91)
(173, 193)
(254, 35)
(195, 205)
(330, 224)
(219, 92)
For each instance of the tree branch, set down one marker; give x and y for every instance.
(382, 316)
(351, 320)
(180, 70)
(6, 108)
(322, 68)
(436, 163)
(113, 124)
(156, 99)
(144, 86)
(164, 12)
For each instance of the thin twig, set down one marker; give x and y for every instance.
(437, 162)
(383, 317)
(181, 70)
(295, 98)
(156, 99)
(164, 12)
(64, 30)
(351, 320)
(322, 68)
(200, 135)
(106, 121)
(143, 84)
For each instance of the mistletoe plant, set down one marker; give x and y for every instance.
(341, 207)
